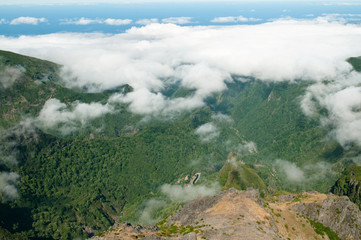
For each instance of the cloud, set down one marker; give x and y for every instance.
(147, 21)
(177, 20)
(222, 118)
(340, 17)
(57, 115)
(8, 75)
(3, 21)
(117, 22)
(249, 147)
(232, 19)
(145, 102)
(151, 206)
(341, 98)
(152, 212)
(87, 21)
(203, 77)
(207, 132)
(81, 21)
(186, 193)
(10, 140)
(345, 114)
(291, 170)
(8, 183)
(309, 173)
(28, 20)
(199, 58)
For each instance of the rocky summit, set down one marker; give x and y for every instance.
(235, 214)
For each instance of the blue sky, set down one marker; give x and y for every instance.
(35, 17)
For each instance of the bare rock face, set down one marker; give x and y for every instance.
(235, 214)
(337, 213)
(232, 214)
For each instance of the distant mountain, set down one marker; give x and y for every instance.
(72, 162)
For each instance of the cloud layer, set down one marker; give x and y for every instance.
(203, 59)
(144, 56)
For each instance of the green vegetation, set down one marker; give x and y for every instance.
(235, 174)
(173, 230)
(321, 230)
(74, 185)
(349, 184)
(355, 62)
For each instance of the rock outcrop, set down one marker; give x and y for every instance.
(235, 214)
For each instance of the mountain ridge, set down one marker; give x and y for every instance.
(234, 214)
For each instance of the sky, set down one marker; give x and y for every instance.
(33, 18)
(72, 2)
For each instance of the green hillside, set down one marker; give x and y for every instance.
(237, 175)
(349, 184)
(78, 184)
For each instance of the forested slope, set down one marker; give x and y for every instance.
(75, 184)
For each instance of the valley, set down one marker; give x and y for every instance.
(75, 162)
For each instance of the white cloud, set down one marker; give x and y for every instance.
(3, 21)
(87, 21)
(8, 183)
(189, 192)
(151, 206)
(291, 170)
(303, 175)
(8, 75)
(342, 100)
(231, 19)
(207, 132)
(28, 20)
(80, 21)
(144, 102)
(177, 20)
(338, 17)
(202, 76)
(201, 58)
(117, 22)
(222, 118)
(147, 21)
(56, 115)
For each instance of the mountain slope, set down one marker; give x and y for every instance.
(234, 214)
(77, 183)
(235, 174)
(349, 184)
